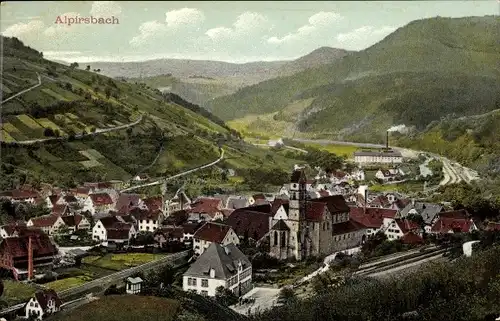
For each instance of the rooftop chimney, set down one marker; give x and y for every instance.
(387, 140)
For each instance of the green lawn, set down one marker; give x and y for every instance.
(410, 186)
(121, 261)
(16, 292)
(68, 283)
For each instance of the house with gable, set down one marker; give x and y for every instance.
(218, 266)
(43, 304)
(428, 211)
(49, 224)
(113, 229)
(249, 224)
(371, 218)
(147, 221)
(212, 232)
(127, 202)
(385, 175)
(12, 229)
(76, 222)
(458, 221)
(206, 209)
(28, 196)
(98, 203)
(396, 229)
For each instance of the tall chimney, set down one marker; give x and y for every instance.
(366, 200)
(387, 140)
(30, 259)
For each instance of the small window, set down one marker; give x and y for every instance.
(205, 293)
(204, 283)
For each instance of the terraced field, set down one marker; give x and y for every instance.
(47, 123)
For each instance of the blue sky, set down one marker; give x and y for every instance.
(227, 31)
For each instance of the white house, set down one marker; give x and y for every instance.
(42, 304)
(212, 232)
(76, 222)
(49, 224)
(113, 229)
(147, 221)
(385, 175)
(133, 285)
(218, 266)
(395, 229)
(98, 203)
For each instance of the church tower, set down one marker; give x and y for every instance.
(297, 214)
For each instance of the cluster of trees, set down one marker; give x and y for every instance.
(325, 160)
(467, 289)
(11, 212)
(258, 178)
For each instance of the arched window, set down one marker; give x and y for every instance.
(283, 239)
(275, 238)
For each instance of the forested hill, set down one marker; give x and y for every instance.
(423, 71)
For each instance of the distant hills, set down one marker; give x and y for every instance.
(426, 70)
(199, 81)
(173, 134)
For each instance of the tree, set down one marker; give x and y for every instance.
(225, 296)
(88, 68)
(74, 65)
(107, 92)
(287, 296)
(48, 132)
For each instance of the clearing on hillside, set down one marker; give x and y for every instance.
(124, 308)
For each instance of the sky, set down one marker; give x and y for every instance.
(215, 30)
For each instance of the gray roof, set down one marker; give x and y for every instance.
(427, 210)
(224, 260)
(134, 280)
(237, 202)
(391, 153)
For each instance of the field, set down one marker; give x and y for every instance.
(46, 123)
(68, 283)
(124, 308)
(121, 261)
(16, 292)
(405, 187)
(28, 121)
(6, 137)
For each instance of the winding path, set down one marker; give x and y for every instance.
(25, 90)
(77, 136)
(162, 180)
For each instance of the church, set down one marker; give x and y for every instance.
(303, 227)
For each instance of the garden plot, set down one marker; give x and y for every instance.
(6, 137)
(121, 261)
(72, 116)
(92, 155)
(52, 93)
(46, 123)
(28, 121)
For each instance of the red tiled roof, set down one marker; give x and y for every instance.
(407, 225)
(191, 228)
(493, 226)
(259, 197)
(212, 232)
(227, 211)
(446, 224)
(59, 209)
(82, 191)
(14, 227)
(154, 203)
(126, 202)
(276, 204)
(335, 203)
(315, 211)
(139, 214)
(118, 233)
(458, 214)
(101, 199)
(19, 194)
(245, 221)
(17, 247)
(171, 232)
(346, 227)
(374, 216)
(206, 205)
(72, 220)
(412, 238)
(109, 221)
(381, 200)
(44, 221)
(44, 296)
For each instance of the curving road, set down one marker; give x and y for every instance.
(162, 180)
(25, 90)
(97, 131)
(453, 172)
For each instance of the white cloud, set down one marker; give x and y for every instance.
(184, 16)
(105, 9)
(318, 22)
(247, 24)
(58, 30)
(357, 38)
(147, 31)
(22, 30)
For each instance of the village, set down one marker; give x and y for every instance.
(307, 218)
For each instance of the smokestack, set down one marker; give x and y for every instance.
(387, 140)
(30, 259)
(366, 200)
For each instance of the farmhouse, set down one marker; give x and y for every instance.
(49, 224)
(212, 232)
(98, 203)
(14, 252)
(113, 229)
(206, 209)
(147, 221)
(218, 266)
(76, 222)
(43, 304)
